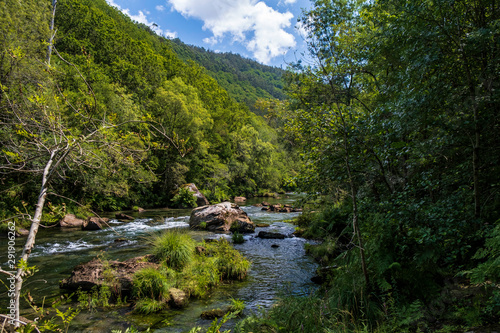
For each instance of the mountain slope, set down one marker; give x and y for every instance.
(245, 80)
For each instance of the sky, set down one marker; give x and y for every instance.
(263, 30)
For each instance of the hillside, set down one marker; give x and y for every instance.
(167, 121)
(245, 80)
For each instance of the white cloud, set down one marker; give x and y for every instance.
(160, 8)
(290, 2)
(112, 3)
(211, 40)
(142, 18)
(259, 27)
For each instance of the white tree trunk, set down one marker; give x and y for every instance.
(30, 242)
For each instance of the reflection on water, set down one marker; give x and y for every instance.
(283, 267)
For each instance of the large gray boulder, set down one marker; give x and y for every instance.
(71, 221)
(224, 217)
(201, 200)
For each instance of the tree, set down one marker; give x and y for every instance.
(38, 142)
(328, 99)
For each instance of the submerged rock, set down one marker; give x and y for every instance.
(214, 313)
(271, 235)
(224, 216)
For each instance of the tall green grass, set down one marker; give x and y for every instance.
(199, 277)
(230, 263)
(150, 287)
(183, 268)
(174, 247)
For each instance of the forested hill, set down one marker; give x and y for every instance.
(245, 80)
(144, 119)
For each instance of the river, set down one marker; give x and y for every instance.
(274, 270)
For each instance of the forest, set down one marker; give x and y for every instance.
(390, 125)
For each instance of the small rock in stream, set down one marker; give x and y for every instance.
(271, 235)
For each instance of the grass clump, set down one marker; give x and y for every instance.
(197, 278)
(150, 287)
(230, 263)
(175, 248)
(181, 267)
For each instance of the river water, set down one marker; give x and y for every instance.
(274, 270)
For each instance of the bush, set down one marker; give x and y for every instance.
(184, 198)
(175, 248)
(218, 194)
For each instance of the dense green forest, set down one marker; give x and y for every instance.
(159, 120)
(395, 115)
(245, 80)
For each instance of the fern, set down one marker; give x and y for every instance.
(490, 269)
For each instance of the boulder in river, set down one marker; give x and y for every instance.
(90, 274)
(71, 221)
(178, 298)
(281, 208)
(92, 223)
(201, 200)
(224, 216)
(21, 232)
(240, 199)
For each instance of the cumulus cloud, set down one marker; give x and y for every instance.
(160, 8)
(142, 18)
(256, 25)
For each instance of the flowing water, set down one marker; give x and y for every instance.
(274, 270)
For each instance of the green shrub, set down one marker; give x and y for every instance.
(184, 198)
(174, 247)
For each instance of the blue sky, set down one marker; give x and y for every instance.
(264, 30)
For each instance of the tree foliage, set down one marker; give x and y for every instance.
(396, 115)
